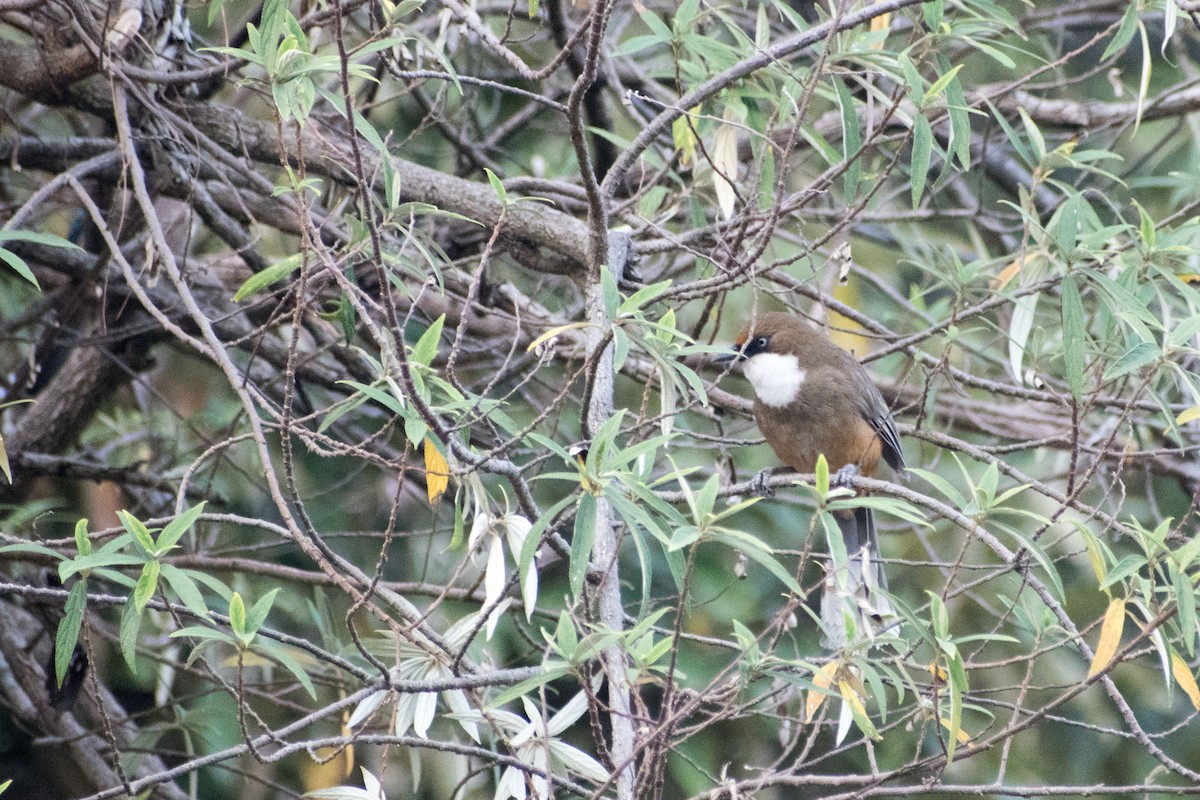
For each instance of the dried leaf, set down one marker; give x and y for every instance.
(1185, 416)
(437, 471)
(880, 23)
(1110, 636)
(823, 678)
(4, 467)
(962, 736)
(1185, 679)
(1011, 271)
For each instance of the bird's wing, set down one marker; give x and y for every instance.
(877, 414)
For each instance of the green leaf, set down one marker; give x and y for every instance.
(1074, 336)
(185, 588)
(941, 84)
(384, 399)
(1034, 135)
(18, 264)
(916, 84)
(279, 653)
(497, 187)
(427, 346)
(1185, 600)
(95, 561)
(644, 297)
(237, 615)
(1124, 34)
(68, 629)
(706, 498)
(612, 295)
(757, 551)
(83, 545)
(141, 534)
(269, 276)
(146, 586)
(34, 547)
(258, 613)
(922, 153)
(131, 623)
(34, 237)
(200, 632)
(851, 139)
(549, 673)
(177, 527)
(1136, 357)
(582, 543)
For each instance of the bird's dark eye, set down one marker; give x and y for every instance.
(753, 347)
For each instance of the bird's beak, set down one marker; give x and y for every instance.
(725, 358)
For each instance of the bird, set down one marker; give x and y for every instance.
(813, 398)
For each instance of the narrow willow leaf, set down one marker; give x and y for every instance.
(1019, 328)
(1186, 680)
(146, 586)
(851, 139)
(269, 276)
(922, 152)
(1185, 602)
(822, 679)
(1144, 83)
(1074, 336)
(68, 629)
(582, 543)
(1110, 636)
(1124, 34)
(426, 347)
(131, 623)
(437, 471)
(725, 168)
(1137, 357)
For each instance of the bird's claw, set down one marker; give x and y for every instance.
(844, 477)
(760, 484)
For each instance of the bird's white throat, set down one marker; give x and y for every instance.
(776, 378)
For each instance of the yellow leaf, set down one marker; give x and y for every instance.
(684, 135)
(939, 674)
(849, 695)
(880, 23)
(437, 471)
(1011, 271)
(1110, 636)
(4, 461)
(1185, 679)
(962, 736)
(1096, 557)
(822, 678)
(326, 767)
(555, 331)
(1188, 415)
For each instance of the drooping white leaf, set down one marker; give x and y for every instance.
(579, 762)
(461, 708)
(424, 710)
(366, 707)
(725, 166)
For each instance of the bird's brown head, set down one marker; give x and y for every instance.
(777, 351)
(781, 334)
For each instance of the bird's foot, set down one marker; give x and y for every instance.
(760, 484)
(844, 477)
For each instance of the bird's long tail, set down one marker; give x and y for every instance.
(853, 593)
